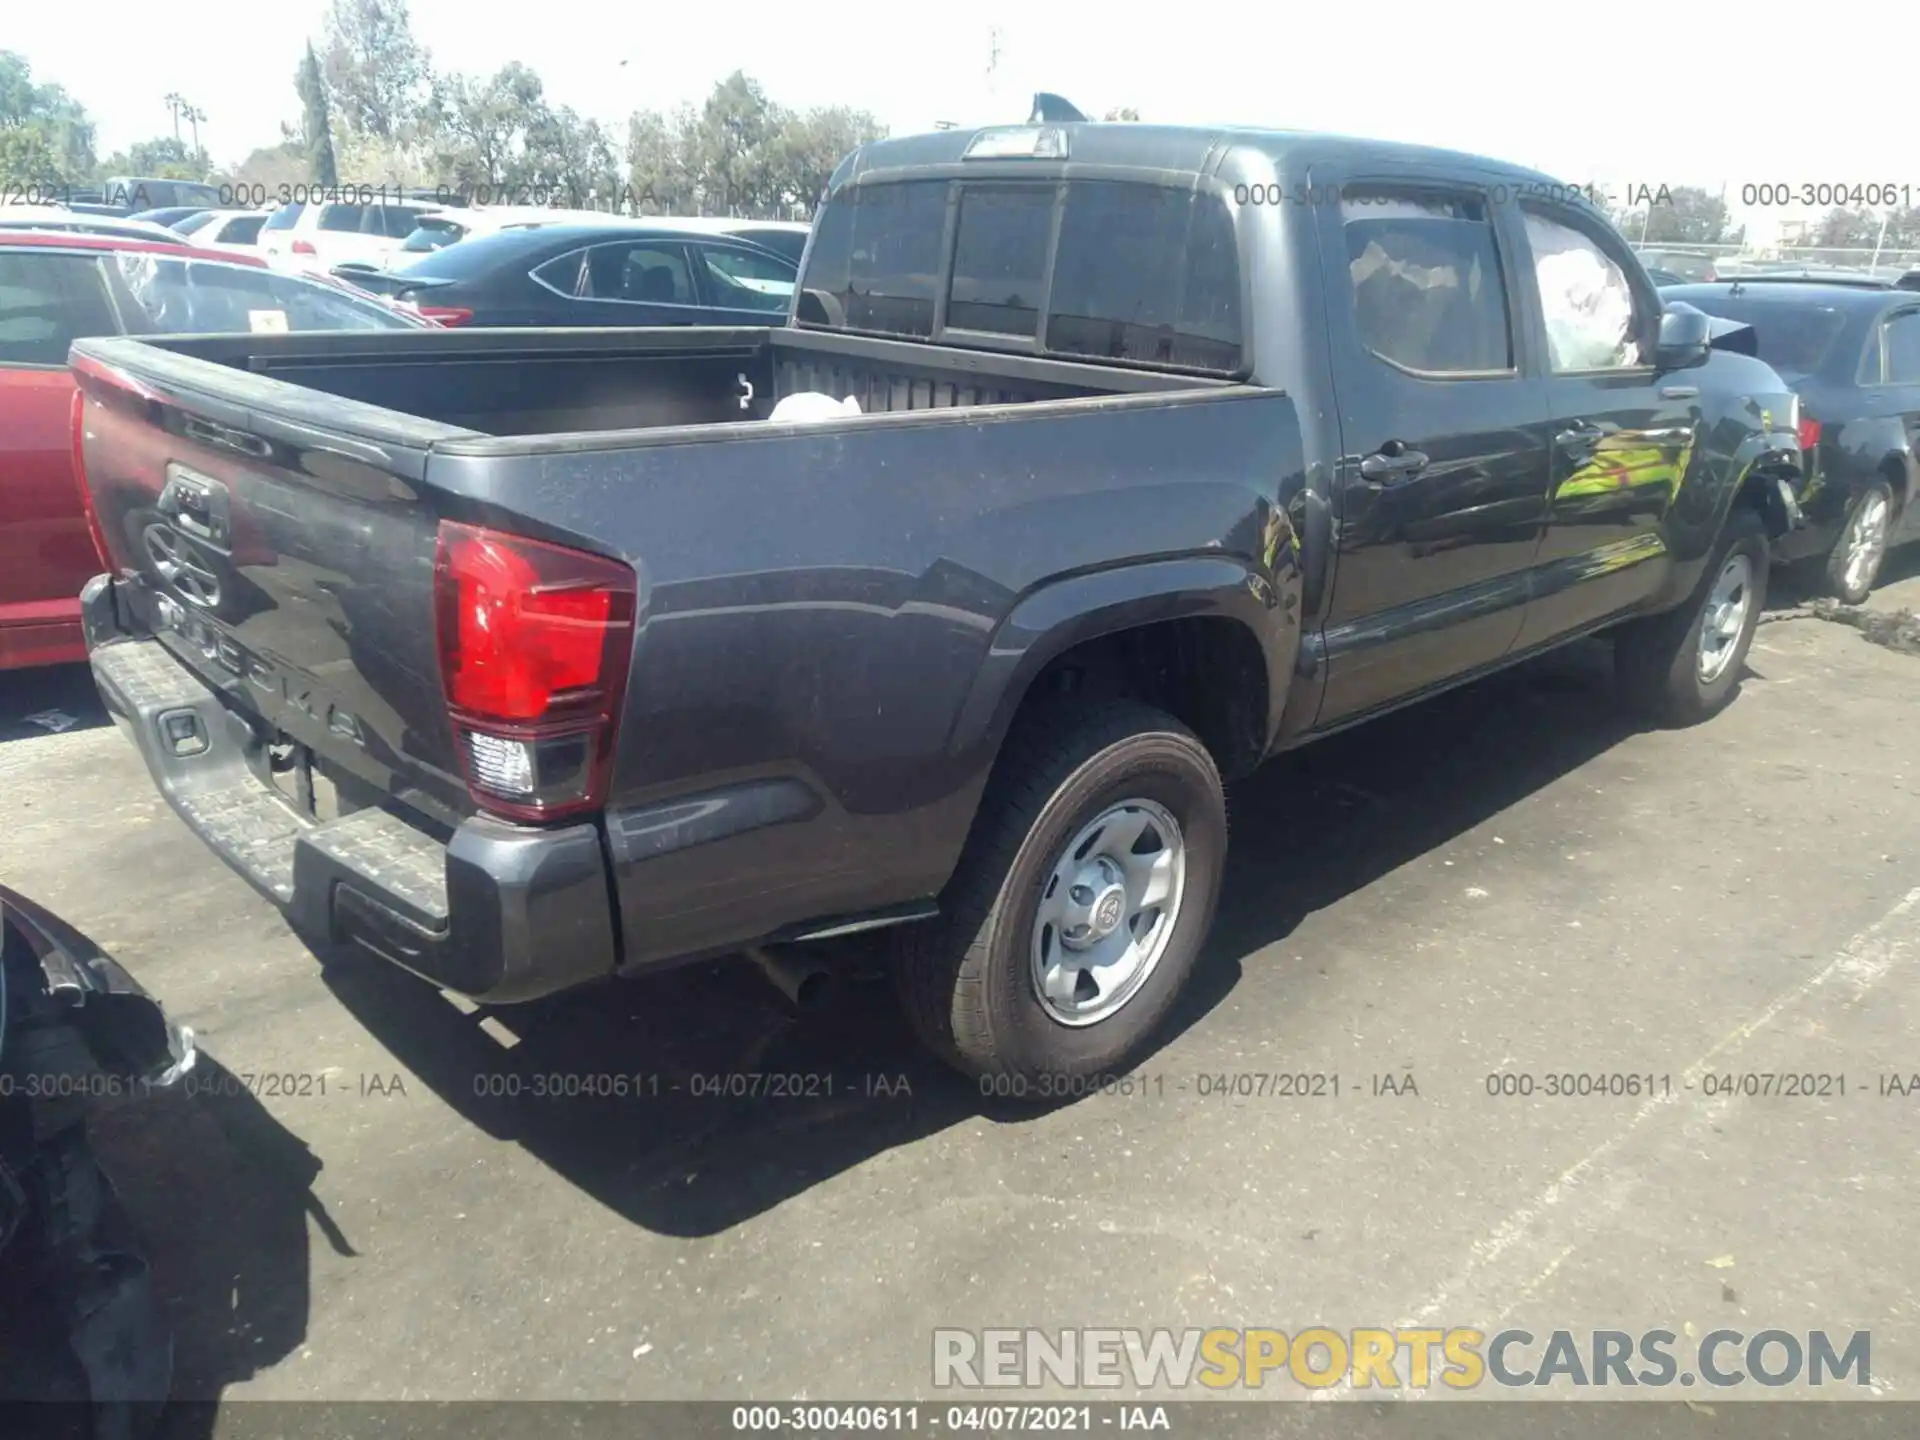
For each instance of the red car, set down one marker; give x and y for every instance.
(56, 288)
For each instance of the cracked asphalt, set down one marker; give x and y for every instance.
(1505, 882)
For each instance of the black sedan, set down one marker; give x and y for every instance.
(1852, 353)
(617, 273)
(171, 215)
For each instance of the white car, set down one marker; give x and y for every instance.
(310, 238)
(442, 228)
(58, 217)
(235, 231)
(787, 238)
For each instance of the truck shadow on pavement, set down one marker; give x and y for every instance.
(222, 1195)
(53, 700)
(694, 1100)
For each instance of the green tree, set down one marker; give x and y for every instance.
(65, 133)
(570, 161)
(808, 149)
(316, 121)
(736, 149)
(161, 158)
(1122, 112)
(27, 163)
(378, 75)
(272, 166)
(481, 127)
(1679, 214)
(660, 170)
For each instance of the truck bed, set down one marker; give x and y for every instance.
(552, 382)
(831, 620)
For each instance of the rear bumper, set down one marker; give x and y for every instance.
(495, 912)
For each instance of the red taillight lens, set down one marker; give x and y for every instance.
(444, 314)
(304, 247)
(1809, 435)
(534, 645)
(94, 527)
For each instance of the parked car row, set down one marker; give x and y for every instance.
(56, 288)
(1849, 347)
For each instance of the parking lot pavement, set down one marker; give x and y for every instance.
(1507, 881)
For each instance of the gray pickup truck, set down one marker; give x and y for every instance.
(529, 658)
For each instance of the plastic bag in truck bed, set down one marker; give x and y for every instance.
(811, 405)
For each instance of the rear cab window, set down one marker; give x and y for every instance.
(1121, 270)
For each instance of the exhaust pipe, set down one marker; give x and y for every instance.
(807, 983)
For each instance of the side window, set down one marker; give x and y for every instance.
(285, 218)
(46, 303)
(653, 274)
(1903, 349)
(348, 218)
(1585, 298)
(1000, 258)
(743, 280)
(241, 230)
(396, 222)
(1428, 293)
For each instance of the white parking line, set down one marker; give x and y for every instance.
(1524, 1250)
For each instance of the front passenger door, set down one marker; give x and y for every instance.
(1623, 434)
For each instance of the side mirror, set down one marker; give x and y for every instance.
(1686, 338)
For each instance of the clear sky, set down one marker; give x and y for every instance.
(1584, 95)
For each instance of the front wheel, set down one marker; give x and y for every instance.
(1079, 906)
(1684, 666)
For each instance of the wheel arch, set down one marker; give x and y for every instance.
(1151, 631)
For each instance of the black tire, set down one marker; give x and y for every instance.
(1834, 571)
(1656, 660)
(966, 978)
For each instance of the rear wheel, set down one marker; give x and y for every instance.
(1684, 666)
(1854, 565)
(1078, 909)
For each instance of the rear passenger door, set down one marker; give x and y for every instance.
(1441, 491)
(624, 282)
(1623, 435)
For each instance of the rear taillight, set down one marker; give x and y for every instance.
(1809, 435)
(444, 314)
(534, 645)
(94, 527)
(304, 247)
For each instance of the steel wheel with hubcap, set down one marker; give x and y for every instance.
(1108, 910)
(1726, 616)
(1077, 911)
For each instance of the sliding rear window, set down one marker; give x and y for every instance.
(1143, 274)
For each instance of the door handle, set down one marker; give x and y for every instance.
(1582, 434)
(1392, 464)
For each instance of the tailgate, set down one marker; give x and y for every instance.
(281, 543)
